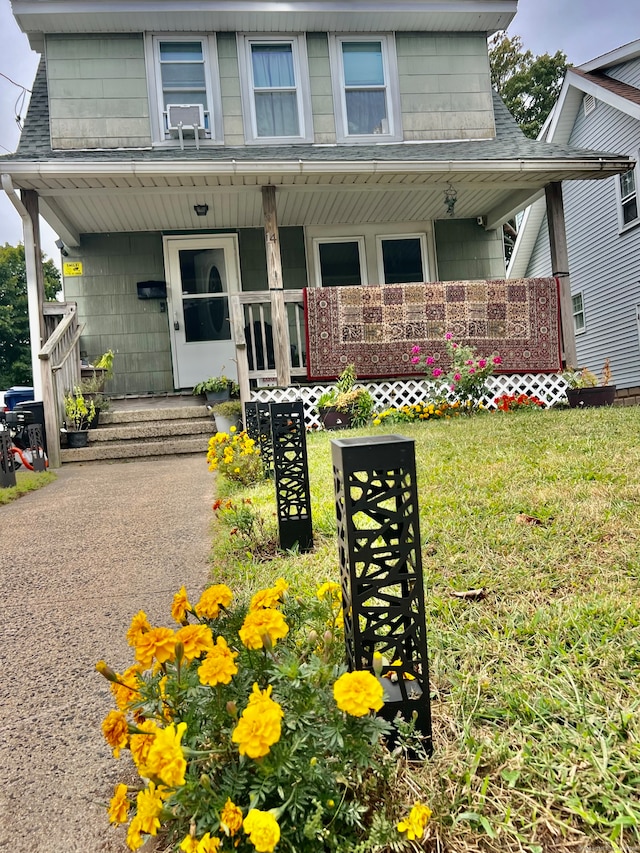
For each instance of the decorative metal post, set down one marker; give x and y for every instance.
(381, 569)
(257, 422)
(36, 444)
(7, 468)
(251, 420)
(290, 464)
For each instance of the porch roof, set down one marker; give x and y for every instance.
(111, 190)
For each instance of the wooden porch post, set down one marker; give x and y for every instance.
(274, 279)
(242, 361)
(560, 268)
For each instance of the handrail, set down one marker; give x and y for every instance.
(72, 343)
(60, 330)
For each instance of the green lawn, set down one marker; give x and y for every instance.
(535, 687)
(26, 481)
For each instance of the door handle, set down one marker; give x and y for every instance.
(176, 323)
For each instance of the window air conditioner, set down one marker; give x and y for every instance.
(182, 117)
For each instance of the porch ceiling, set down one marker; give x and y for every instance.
(82, 198)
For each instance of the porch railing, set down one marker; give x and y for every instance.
(60, 357)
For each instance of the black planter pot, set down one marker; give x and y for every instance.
(601, 395)
(331, 418)
(77, 438)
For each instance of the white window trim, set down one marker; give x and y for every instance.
(390, 66)
(422, 237)
(359, 239)
(298, 44)
(622, 226)
(578, 331)
(215, 134)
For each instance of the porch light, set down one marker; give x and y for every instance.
(381, 571)
(201, 209)
(291, 469)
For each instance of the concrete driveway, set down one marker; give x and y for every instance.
(77, 560)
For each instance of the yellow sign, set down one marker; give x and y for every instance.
(72, 268)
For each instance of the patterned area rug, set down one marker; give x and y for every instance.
(375, 326)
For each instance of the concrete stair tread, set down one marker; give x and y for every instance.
(136, 449)
(144, 430)
(152, 415)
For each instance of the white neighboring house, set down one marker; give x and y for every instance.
(598, 107)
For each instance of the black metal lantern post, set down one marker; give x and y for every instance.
(251, 420)
(257, 420)
(291, 469)
(7, 468)
(381, 569)
(36, 445)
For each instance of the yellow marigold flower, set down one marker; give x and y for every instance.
(219, 666)
(134, 839)
(231, 818)
(259, 726)
(330, 588)
(156, 643)
(116, 731)
(125, 690)
(415, 824)
(165, 759)
(139, 624)
(148, 809)
(119, 805)
(140, 744)
(180, 606)
(358, 692)
(189, 844)
(259, 624)
(196, 639)
(212, 599)
(262, 829)
(269, 597)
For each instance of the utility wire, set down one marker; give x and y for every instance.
(19, 100)
(19, 85)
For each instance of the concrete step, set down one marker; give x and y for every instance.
(137, 449)
(146, 430)
(143, 415)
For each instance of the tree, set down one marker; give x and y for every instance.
(15, 350)
(529, 85)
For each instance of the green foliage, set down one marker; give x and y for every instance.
(15, 352)
(26, 481)
(78, 412)
(235, 456)
(214, 383)
(347, 397)
(529, 85)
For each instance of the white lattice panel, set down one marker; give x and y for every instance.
(549, 387)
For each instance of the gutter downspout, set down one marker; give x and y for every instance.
(32, 284)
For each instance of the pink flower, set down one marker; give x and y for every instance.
(452, 387)
(415, 350)
(436, 372)
(457, 377)
(415, 360)
(482, 363)
(497, 360)
(469, 361)
(471, 370)
(454, 346)
(448, 336)
(430, 360)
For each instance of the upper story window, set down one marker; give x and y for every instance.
(365, 88)
(184, 88)
(628, 198)
(577, 303)
(275, 88)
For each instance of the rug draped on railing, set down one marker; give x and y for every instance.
(375, 326)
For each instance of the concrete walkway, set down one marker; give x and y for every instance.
(78, 559)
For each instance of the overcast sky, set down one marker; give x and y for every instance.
(583, 29)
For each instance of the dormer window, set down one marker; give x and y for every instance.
(365, 84)
(276, 95)
(184, 89)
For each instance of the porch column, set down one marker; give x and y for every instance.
(274, 279)
(560, 268)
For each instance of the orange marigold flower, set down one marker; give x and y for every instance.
(271, 597)
(262, 829)
(180, 606)
(261, 624)
(219, 666)
(195, 639)
(165, 759)
(156, 643)
(139, 744)
(330, 589)
(259, 726)
(119, 805)
(116, 731)
(213, 599)
(358, 692)
(414, 825)
(231, 818)
(134, 838)
(148, 809)
(125, 690)
(139, 624)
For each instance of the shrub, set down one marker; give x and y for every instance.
(235, 456)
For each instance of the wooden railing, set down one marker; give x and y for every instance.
(60, 356)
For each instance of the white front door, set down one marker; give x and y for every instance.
(202, 271)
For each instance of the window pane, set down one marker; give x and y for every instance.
(206, 319)
(277, 114)
(181, 51)
(630, 210)
(340, 264)
(182, 75)
(363, 63)
(402, 260)
(627, 183)
(272, 66)
(367, 112)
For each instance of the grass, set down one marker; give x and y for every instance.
(26, 481)
(535, 687)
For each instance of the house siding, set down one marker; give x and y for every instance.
(466, 251)
(97, 92)
(627, 73)
(603, 261)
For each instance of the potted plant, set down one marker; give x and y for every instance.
(217, 389)
(91, 388)
(78, 417)
(98, 373)
(228, 415)
(346, 405)
(585, 389)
